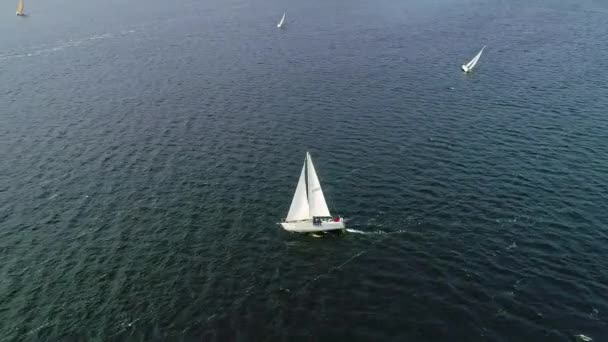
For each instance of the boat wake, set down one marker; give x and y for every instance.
(334, 268)
(63, 45)
(355, 231)
(376, 232)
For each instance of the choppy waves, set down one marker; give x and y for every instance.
(139, 197)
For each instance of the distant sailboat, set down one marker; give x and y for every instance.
(280, 24)
(469, 66)
(20, 8)
(308, 212)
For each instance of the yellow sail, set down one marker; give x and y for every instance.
(20, 7)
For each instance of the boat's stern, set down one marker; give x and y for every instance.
(317, 224)
(334, 223)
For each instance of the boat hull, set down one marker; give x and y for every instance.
(464, 68)
(307, 226)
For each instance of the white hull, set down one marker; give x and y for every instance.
(307, 226)
(464, 68)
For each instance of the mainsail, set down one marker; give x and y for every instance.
(316, 200)
(282, 20)
(299, 209)
(474, 61)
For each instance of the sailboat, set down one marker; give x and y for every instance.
(20, 8)
(280, 24)
(308, 212)
(469, 66)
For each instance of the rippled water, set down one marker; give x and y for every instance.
(148, 150)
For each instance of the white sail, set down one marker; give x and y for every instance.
(280, 24)
(20, 7)
(469, 66)
(308, 212)
(299, 209)
(316, 200)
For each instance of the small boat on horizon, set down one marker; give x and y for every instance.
(469, 66)
(282, 21)
(20, 6)
(308, 212)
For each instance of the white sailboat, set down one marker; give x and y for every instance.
(20, 8)
(469, 66)
(280, 24)
(308, 212)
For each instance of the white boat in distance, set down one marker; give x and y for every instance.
(308, 212)
(469, 66)
(20, 6)
(280, 24)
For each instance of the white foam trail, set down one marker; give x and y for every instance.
(581, 337)
(44, 325)
(355, 231)
(63, 45)
(377, 232)
(349, 260)
(338, 267)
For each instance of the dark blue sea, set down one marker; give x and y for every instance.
(149, 148)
